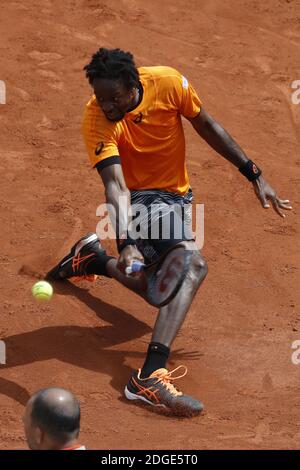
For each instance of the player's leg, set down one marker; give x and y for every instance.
(153, 383)
(171, 316)
(87, 259)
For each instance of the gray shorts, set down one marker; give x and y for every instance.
(163, 221)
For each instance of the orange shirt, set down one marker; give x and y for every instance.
(150, 139)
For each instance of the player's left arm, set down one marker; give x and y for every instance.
(217, 137)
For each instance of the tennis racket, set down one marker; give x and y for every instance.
(165, 276)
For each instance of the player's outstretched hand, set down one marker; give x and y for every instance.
(129, 254)
(266, 193)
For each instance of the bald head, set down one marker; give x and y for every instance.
(56, 412)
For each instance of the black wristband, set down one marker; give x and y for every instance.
(250, 170)
(124, 241)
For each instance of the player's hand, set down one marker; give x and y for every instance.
(265, 193)
(129, 254)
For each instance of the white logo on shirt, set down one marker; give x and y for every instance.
(185, 83)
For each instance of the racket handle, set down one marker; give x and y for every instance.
(136, 267)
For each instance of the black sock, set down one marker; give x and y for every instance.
(157, 356)
(98, 266)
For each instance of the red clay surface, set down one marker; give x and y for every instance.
(242, 57)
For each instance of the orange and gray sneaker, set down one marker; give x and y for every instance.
(158, 390)
(74, 265)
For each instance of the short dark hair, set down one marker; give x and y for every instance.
(60, 423)
(113, 64)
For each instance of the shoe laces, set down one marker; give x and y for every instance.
(167, 378)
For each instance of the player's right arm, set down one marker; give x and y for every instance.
(117, 195)
(118, 201)
(101, 138)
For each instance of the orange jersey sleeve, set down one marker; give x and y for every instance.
(189, 103)
(100, 136)
(175, 90)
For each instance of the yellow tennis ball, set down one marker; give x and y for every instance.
(42, 290)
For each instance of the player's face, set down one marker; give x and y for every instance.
(113, 98)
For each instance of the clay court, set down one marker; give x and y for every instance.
(242, 57)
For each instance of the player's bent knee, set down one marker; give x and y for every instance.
(199, 268)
